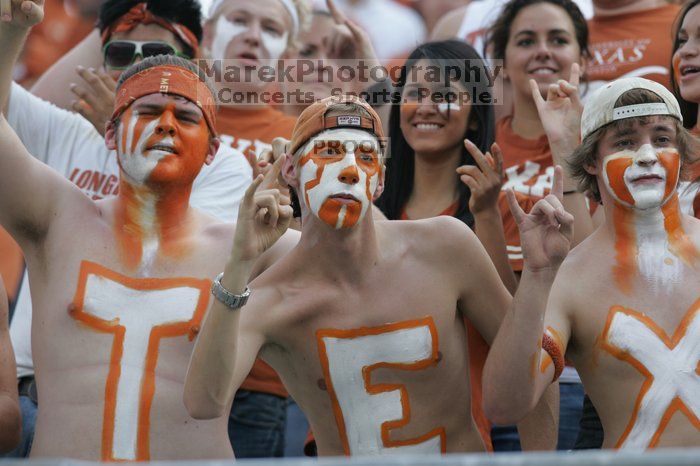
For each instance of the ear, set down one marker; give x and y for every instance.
(289, 172)
(111, 135)
(583, 65)
(214, 144)
(591, 169)
(380, 187)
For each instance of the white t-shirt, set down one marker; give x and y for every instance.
(69, 144)
(480, 15)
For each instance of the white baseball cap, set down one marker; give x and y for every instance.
(599, 108)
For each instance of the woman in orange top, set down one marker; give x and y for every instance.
(544, 46)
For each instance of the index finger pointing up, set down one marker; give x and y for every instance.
(337, 15)
(575, 75)
(558, 183)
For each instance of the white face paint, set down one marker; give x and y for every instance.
(137, 163)
(347, 357)
(119, 305)
(227, 31)
(645, 178)
(672, 364)
(323, 192)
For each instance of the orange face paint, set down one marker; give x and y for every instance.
(615, 171)
(339, 174)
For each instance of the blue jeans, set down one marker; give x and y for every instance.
(28, 408)
(256, 425)
(570, 408)
(506, 438)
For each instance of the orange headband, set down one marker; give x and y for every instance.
(140, 15)
(167, 79)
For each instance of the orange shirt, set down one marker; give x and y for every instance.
(251, 132)
(51, 39)
(529, 171)
(11, 264)
(632, 45)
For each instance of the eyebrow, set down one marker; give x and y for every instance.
(530, 32)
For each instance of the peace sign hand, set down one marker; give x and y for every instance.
(547, 231)
(485, 180)
(21, 14)
(561, 113)
(263, 217)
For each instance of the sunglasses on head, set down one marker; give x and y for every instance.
(121, 54)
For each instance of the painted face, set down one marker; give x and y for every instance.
(542, 46)
(430, 127)
(253, 33)
(162, 139)
(686, 59)
(339, 174)
(642, 179)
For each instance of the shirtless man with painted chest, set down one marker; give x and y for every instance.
(625, 304)
(362, 320)
(120, 286)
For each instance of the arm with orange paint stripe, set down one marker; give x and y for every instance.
(10, 417)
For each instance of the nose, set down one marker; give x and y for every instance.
(688, 49)
(166, 124)
(253, 34)
(542, 51)
(349, 175)
(646, 156)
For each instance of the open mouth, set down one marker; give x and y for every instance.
(248, 57)
(688, 70)
(162, 148)
(542, 71)
(427, 126)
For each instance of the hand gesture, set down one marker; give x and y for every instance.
(561, 113)
(268, 157)
(21, 14)
(546, 232)
(349, 41)
(95, 97)
(263, 217)
(485, 179)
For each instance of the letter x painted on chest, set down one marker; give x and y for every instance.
(670, 366)
(139, 313)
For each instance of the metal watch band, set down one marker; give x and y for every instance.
(230, 300)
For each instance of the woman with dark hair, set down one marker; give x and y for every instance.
(685, 80)
(439, 135)
(544, 46)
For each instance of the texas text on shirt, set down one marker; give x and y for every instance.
(68, 143)
(631, 45)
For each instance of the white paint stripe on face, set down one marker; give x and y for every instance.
(673, 370)
(227, 31)
(364, 413)
(136, 165)
(139, 312)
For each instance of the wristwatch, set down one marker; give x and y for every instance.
(224, 296)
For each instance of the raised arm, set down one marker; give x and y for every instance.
(10, 417)
(230, 339)
(29, 191)
(561, 118)
(518, 370)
